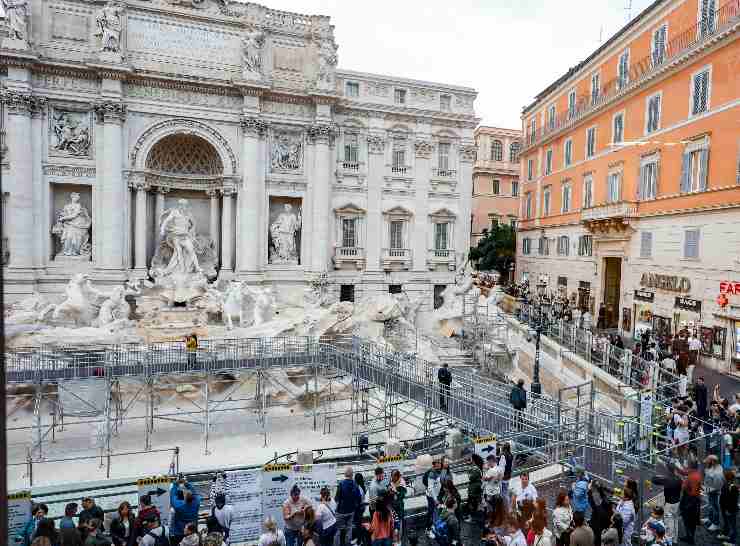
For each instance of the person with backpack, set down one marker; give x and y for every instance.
(185, 504)
(326, 520)
(444, 378)
(154, 533)
(446, 524)
(348, 498)
(432, 481)
(147, 510)
(475, 487)
(220, 518)
(38, 512)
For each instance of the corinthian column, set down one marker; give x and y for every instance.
(251, 200)
(159, 209)
(322, 136)
(20, 223)
(226, 230)
(112, 220)
(213, 226)
(140, 188)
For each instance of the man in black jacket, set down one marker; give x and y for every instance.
(444, 377)
(518, 400)
(700, 396)
(91, 511)
(672, 484)
(601, 513)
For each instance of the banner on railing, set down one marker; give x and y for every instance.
(391, 463)
(485, 446)
(19, 512)
(245, 496)
(158, 487)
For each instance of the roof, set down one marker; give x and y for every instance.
(621, 32)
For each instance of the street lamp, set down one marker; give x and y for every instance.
(543, 308)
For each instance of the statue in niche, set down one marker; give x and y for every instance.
(73, 228)
(71, 137)
(327, 65)
(16, 14)
(284, 231)
(287, 152)
(252, 54)
(109, 27)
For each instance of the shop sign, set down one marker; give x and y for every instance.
(688, 304)
(665, 282)
(644, 295)
(727, 287)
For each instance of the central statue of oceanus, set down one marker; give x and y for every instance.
(184, 261)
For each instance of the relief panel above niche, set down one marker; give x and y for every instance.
(70, 24)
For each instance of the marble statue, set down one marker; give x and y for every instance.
(109, 25)
(81, 304)
(71, 137)
(287, 152)
(264, 305)
(325, 79)
(73, 228)
(252, 54)
(177, 230)
(233, 305)
(16, 14)
(283, 232)
(114, 308)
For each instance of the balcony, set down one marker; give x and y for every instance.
(684, 42)
(609, 217)
(437, 257)
(351, 166)
(444, 173)
(396, 259)
(351, 256)
(400, 171)
(496, 167)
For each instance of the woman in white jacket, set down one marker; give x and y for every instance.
(562, 518)
(626, 509)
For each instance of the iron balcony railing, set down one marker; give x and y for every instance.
(399, 170)
(442, 252)
(352, 166)
(444, 173)
(399, 253)
(623, 209)
(349, 252)
(693, 36)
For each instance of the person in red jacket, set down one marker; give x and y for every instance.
(146, 511)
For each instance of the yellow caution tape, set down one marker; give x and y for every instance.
(390, 459)
(20, 495)
(485, 439)
(277, 467)
(154, 480)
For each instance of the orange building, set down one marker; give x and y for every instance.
(495, 179)
(631, 177)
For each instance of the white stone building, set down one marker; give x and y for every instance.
(238, 109)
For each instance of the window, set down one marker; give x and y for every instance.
(551, 117)
(571, 104)
(526, 245)
(443, 162)
(595, 87)
(445, 103)
(648, 186)
(494, 222)
(351, 142)
(349, 232)
(588, 191)
(399, 96)
(496, 186)
(543, 246)
(659, 44)
(438, 291)
(512, 222)
(707, 16)
(514, 152)
(532, 130)
(528, 205)
(396, 237)
(623, 69)
(530, 169)
(352, 89)
(562, 281)
(590, 141)
(395, 289)
(399, 153)
(695, 166)
(652, 117)
(497, 150)
(568, 159)
(700, 88)
(347, 292)
(548, 161)
(613, 183)
(646, 244)
(546, 200)
(563, 245)
(585, 245)
(618, 128)
(566, 198)
(515, 188)
(691, 244)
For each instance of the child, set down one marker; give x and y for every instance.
(307, 535)
(655, 521)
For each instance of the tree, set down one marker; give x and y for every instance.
(496, 250)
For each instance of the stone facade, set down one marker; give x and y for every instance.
(289, 166)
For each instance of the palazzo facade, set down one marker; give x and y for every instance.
(114, 114)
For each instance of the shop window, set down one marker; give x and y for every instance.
(713, 341)
(438, 291)
(395, 288)
(347, 292)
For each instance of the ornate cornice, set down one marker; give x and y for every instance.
(468, 153)
(424, 148)
(254, 126)
(23, 103)
(322, 133)
(376, 144)
(111, 112)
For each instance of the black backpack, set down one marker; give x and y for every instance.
(159, 540)
(445, 376)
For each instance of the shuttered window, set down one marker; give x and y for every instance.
(546, 201)
(591, 142)
(595, 87)
(497, 150)
(530, 169)
(563, 245)
(528, 205)
(695, 167)
(571, 104)
(588, 191)
(551, 117)
(700, 92)
(548, 161)
(567, 193)
(613, 187)
(646, 244)
(585, 245)
(526, 245)
(350, 148)
(659, 44)
(623, 69)
(691, 244)
(568, 152)
(618, 128)
(444, 156)
(514, 152)
(648, 186)
(708, 17)
(652, 122)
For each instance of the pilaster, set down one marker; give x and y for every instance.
(462, 226)
(140, 189)
(422, 174)
(251, 200)
(226, 230)
(376, 167)
(213, 224)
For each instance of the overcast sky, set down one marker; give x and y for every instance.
(508, 50)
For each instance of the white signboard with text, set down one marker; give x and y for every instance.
(158, 487)
(245, 495)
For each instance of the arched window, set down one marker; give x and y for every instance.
(497, 151)
(514, 152)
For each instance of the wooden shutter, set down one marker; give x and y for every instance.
(703, 168)
(686, 172)
(691, 243)
(641, 182)
(646, 244)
